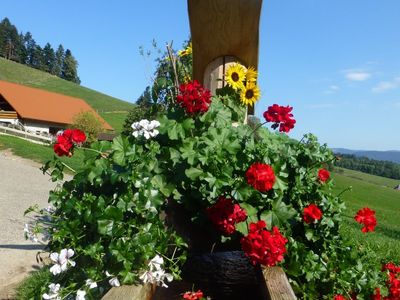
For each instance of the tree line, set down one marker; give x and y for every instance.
(376, 167)
(22, 48)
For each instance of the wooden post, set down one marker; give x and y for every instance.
(223, 31)
(278, 286)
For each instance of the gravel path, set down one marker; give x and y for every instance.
(22, 184)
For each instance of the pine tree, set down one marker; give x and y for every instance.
(38, 61)
(9, 40)
(59, 61)
(49, 58)
(69, 70)
(30, 46)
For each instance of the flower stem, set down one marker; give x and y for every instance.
(68, 167)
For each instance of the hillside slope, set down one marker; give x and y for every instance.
(391, 155)
(378, 194)
(113, 110)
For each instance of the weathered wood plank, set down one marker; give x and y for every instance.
(223, 28)
(130, 292)
(278, 286)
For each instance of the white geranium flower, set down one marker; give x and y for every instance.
(80, 295)
(156, 274)
(91, 284)
(29, 234)
(155, 263)
(161, 276)
(145, 128)
(114, 280)
(53, 294)
(61, 261)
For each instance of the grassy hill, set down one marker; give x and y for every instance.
(378, 194)
(113, 110)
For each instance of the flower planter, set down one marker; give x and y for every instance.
(225, 275)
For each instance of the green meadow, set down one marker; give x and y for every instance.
(377, 193)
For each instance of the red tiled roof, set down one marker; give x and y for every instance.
(37, 104)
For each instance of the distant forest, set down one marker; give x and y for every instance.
(376, 167)
(22, 48)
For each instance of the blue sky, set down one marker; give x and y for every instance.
(336, 62)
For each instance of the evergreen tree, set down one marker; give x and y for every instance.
(9, 40)
(38, 61)
(21, 51)
(59, 61)
(49, 58)
(69, 70)
(30, 46)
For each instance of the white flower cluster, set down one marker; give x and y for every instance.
(145, 128)
(53, 294)
(113, 280)
(29, 234)
(156, 274)
(61, 261)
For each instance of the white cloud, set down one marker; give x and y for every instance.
(357, 75)
(331, 89)
(387, 85)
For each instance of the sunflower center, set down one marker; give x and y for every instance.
(249, 94)
(235, 76)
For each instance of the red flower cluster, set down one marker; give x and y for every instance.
(366, 217)
(281, 116)
(323, 175)
(339, 297)
(193, 295)
(264, 246)
(393, 282)
(311, 213)
(224, 214)
(67, 140)
(193, 97)
(261, 177)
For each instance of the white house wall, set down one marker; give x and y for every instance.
(9, 121)
(36, 126)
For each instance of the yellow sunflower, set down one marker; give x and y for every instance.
(234, 76)
(250, 94)
(251, 74)
(186, 51)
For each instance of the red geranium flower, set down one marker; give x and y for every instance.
(264, 246)
(323, 175)
(339, 297)
(224, 214)
(261, 177)
(193, 97)
(281, 116)
(366, 217)
(311, 213)
(193, 295)
(66, 140)
(393, 282)
(63, 146)
(377, 295)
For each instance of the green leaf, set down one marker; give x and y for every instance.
(113, 213)
(105, 227)
(242, 228)
(279, 214)
(193, 173)
(121, 147)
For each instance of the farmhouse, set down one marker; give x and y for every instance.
(40, 111)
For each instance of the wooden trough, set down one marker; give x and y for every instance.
(276, 284)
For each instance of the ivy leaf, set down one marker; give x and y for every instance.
(193, 173)
(105, 227)
(242, 228)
